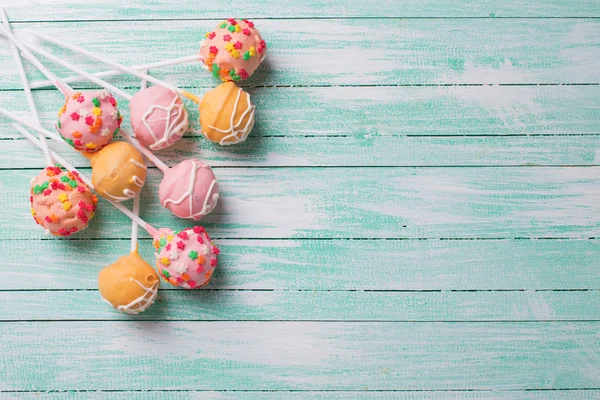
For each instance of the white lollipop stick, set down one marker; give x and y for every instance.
(27, 89)
(75, 69)
(115, 64)
(113, 72)
(149, 228)
(28, 124)
(126, 135)
(136, 206)
(63, 87)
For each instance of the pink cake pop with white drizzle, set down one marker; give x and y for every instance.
(189, 190)
(184, 258)
(89, 119)
(233, 50)
(158, 117)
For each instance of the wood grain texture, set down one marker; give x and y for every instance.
(317, 395)
(533, 202)
(371, 113)
(390, 51)
(211, 305)
(321, 265)
(288, 355)
(376, 151)
(30, 10)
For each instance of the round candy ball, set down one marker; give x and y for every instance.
(89, 120)
(118, 171)
(234, 50)
(158, 117)
(189, 190)
(187, 258)
(226, 114)
(130, 285)
(60, 202)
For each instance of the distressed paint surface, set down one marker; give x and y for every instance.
(416, 213)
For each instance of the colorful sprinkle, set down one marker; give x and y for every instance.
(193, 255)
(246, 31)
(213, 49)
(166, 273)
(231, 28)
(226, 38)
(97, 111)
(89, 120)
(96, 101)
(67, 205)
(165, 261)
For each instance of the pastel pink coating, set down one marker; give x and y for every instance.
(234, 50)
(187, 258)
(89, 120)
(158, 117)
(189, 190)
(60, 202)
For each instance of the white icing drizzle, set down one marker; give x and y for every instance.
(137, 163)
(233, 133)
(174, 125)
(141, 303)
(206, 206)
(128, 193)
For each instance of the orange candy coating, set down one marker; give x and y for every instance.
(226, 114)
(130, 285)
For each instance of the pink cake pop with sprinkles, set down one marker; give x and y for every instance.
(189, 190)
(61, 202)
(184, 258)
(233, 50)
(158, 116)
(89, 119)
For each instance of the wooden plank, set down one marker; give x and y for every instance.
(376, 113)
(211, 305)
(378, 151)
(134, 355)
(531, 202)
(361, 52)
(70, 10)
(318, 395)
(320, 265)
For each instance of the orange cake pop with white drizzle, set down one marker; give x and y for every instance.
(226, 114)
(118, 171)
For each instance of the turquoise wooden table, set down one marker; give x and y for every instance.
(416, 213)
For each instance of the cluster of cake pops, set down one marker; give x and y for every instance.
(63, 200)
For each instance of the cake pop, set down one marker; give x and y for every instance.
(189, 190)
(88, 120)
(225, 107)
(60, 202)
(206, 53)
(226, 114)
(195, 240)
(118, 171)
(157, 114)
(119, 178)
(186, 258)
(130, 285)
(233, 50)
